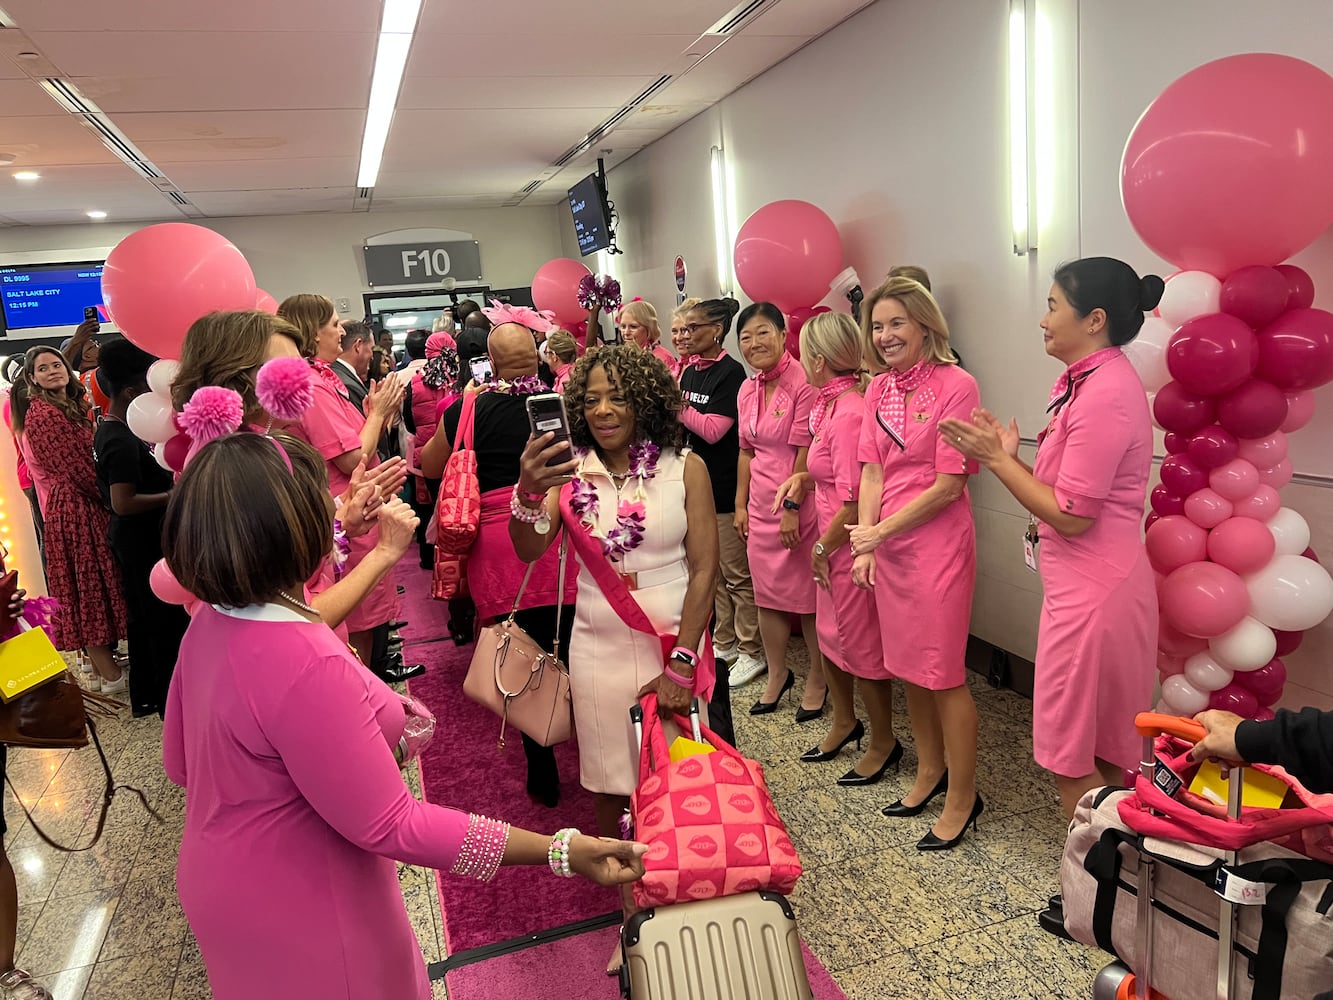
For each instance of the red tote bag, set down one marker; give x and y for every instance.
(458, 511)
(708, 820)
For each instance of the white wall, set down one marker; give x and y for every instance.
(895, 124)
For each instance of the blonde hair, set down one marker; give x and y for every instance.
(685, 306)
(645, 314)
(921, 308)
(561, 344)
(307, 312)
(836, 338)
(913, 271)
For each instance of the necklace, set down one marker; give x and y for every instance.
(300, 605)
(631, 512)
(524, 385)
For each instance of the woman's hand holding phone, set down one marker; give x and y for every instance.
(535, 475)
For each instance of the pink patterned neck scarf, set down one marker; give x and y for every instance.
(325, 371)
(1063, 390)
(700, 362)
(761, 380)
(777, 371)
(828, 393)
(892, 410)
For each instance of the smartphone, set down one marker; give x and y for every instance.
(90, 314)
(481, 369)
(546, 413)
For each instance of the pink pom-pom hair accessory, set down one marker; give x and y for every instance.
(285, 388)
(538, 321)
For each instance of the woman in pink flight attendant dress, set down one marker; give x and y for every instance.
(915, 544)
(848, 619)
(778, 528)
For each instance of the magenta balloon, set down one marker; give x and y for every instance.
(1300, 410)
(1261, 505)
(1174, 541)
(1254, 410)
(1204, 599)
(1266, 683)
(555, 286)
(1279, 475)
(1296, 349)
(1288, 642)
(1171, 640)
(1213, 446)
(1256, 295)
(1310, 553)
(1229, 165)
(1265, 714)
(1182, 475)
(175, 451)
(1166, 503)
(1175, 443)
(1234, 698)
(787, 253)
(1207, 508)
(1235, 481)
(1150, 519)
(1241, 544)
(1177, 409)
(160, 279)
(1213, 354)
(1300, 286)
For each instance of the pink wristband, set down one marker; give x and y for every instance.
(686, 682)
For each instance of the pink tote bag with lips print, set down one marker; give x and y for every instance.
(709, 823)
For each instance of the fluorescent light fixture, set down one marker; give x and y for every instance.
(604, 263)
(96, 213)
(402, 321)
(721, 234)
(1018, 125)
(1045, 154)
(397, 26)
(27, 175)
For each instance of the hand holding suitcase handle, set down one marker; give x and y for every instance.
(1206, 743)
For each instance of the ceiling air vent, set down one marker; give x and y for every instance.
(738, 17)
(595, 136)
(361, 200)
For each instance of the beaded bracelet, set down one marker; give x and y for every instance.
(520, 511)
(483, 848)
(529, 495)
(557, 855)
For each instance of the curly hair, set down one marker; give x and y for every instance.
(648, 385)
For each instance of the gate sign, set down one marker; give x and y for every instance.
(422, 263)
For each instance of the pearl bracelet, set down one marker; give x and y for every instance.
(483, 848)
(557, 855)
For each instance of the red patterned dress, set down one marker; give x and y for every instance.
(81, 571)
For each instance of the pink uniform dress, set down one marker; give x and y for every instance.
(666, 357)
(847, 619)
(923, 577)
(295, 813)
(782, 577)
(1096, 645)
(333, 425)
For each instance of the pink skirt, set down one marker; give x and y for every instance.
(494, 573)
(848, 624)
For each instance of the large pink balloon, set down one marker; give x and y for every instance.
(1296, 349)
(265, 302)
(1213, 446)
(1213, 354)
(160, 279)
(1241, 544)
(1254, 410)
(165, 585)
(1261, 505)
(1204, 599)
(787, 253)
(1177, 409)
(1182, 475)
(1255, 294)
(1174, 541)
(555, 286)
(1207, 508)
(1300, 286)
(1230, 164)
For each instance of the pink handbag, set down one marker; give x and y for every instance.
(708, 820)
(457, 511)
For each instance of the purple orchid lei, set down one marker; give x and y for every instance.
(631, 513)
(524, 385)
(342, 546)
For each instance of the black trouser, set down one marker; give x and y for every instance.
(719, 706)
(540, 624)
(155, 627)
(423, 509)
(38, 526)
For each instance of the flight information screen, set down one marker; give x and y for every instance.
(42, 295)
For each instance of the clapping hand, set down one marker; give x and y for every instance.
(984, 439)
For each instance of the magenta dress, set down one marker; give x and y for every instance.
(295, 813)
(924, 577)
(774, 433)
(333, 425)
(1097, 641)
(847, 619)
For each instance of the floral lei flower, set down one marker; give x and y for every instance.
(342, 546)
(631, 513)
(524, 385)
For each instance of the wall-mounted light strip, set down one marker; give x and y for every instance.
(1022, 205)
(721, 231)
(397, 27)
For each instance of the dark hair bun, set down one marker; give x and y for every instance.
(1151, 288)
(733, 307)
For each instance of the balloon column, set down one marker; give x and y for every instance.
(1229, 363)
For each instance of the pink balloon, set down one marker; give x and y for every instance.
(1213, 354)
(1266, 683)
(1234, 698)
(1175, 642)
(1279, 475)
(175, 450)
(165, 585)
(1254, 410)
(1229, 165)
(1152, 518)
(1310, 553)
(1256, 295)
(1296, 349)
(1288, 642)
(555, 286)
(265, 302)
(192, 606)
(1213, 446)
(1166, 503)
(1175, 443)
(160, 279)
(1204, 599)
(1264, 452)
(1182, 475)
(787, 253)
(797, 319)
(1207, 508)
(1265, 714)
(1177, 409)
(1241, 544)
(1300, 286)
(1300, 410)
(1174, 541)
(1262, 505)
(1234, 481)
(1168, 665)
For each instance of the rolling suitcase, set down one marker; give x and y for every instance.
(742, 947)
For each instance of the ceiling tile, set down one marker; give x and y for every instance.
(422, 139)
(737, 62)
(23, 99)
(429, 93)
(274, 202)
(582, 20)
(176, 15)
(244, 135)
(800, 17)
(41, 142)
(538, 55)
(254, 175)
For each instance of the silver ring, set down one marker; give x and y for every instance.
(959, 438)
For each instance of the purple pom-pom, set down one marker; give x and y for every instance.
(211, 412)
(285, 388)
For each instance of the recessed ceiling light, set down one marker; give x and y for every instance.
(27, 175)
(96, 214)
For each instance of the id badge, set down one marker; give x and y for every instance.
(1030, 540)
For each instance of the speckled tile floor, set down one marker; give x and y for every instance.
(886, 920)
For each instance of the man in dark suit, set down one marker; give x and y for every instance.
(353, 364)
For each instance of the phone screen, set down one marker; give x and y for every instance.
(546, 414)
(481, 370)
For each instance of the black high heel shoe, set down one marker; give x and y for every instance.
(817, 756)
(898, 809)
(930, 842)
(806, 714)
(769, 707)
(854, 779)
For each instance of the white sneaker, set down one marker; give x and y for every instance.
(746, 668)
(85, 664)
(18, 985)
(118, 686)
(728, 653)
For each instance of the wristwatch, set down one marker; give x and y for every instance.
(789, 504)
(819, 549)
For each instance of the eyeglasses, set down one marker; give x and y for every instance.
(693, 328)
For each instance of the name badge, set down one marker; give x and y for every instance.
(1030, 553)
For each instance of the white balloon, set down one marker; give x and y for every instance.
(1190, 294)
(159, 451)
(1290, 532)
(1183, 697)
(1149, 360)
(1205, 673)
(151, 418)
(161, 374)
(1248, 646)
(1291, 593)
